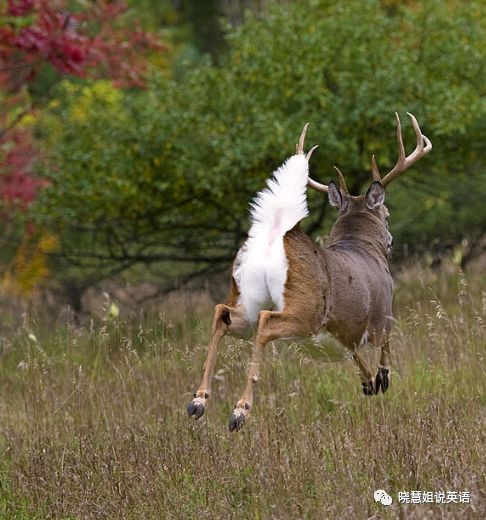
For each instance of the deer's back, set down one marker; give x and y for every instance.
(361, 291)
(347, 291)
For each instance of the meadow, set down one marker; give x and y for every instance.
(93, 421)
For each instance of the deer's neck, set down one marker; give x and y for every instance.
(360, 232)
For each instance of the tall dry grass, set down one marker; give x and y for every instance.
(93, 421)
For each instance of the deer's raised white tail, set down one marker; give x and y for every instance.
(260, 268)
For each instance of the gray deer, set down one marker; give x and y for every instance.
(284, 286)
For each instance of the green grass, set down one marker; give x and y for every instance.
(93, 421)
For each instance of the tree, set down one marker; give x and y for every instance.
(41, 41)
(163, 177)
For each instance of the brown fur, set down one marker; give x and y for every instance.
(345, 288)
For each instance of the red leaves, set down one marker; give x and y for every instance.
(18, 187)
(44, 31)
(84, 43)
(38, 33)
(120, 56)
(19, 7)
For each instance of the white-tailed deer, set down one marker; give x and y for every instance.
(286, 287)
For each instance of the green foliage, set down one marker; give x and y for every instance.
(166, 174)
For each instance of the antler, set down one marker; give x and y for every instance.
(300, 149)
(423, 148)
(374, 169)
(342, 182)
(324, 188)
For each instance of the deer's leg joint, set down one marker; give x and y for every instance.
(226, 316)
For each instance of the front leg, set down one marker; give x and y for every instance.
(227, 320)
(367, 380)
(271, 326)
(382, 379)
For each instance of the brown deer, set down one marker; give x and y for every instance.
(286, 287)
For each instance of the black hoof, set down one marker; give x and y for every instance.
(382, 379)
(368, 388)
(196, 408)
(237, 420)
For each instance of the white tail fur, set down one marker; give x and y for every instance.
(283, 204)
(260, 269)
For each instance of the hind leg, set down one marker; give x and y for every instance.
(226, 320)
(271, 326)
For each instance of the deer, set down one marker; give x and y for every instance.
(286, 287)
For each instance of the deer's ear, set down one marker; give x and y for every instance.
(334, 194)
(375, 196)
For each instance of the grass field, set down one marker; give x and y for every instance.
(93, 421)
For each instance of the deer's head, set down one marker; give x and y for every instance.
(365, 217)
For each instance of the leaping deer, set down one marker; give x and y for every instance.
(287, 287)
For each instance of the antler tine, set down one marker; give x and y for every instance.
(374, 169)
(422, 148)
(420, 135)
(401, 148)
(300, 147)
(311, 182)
(342, 182)
(316, 185)
(309, 153)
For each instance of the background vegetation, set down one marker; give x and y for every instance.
(147, 165)
(93, 421)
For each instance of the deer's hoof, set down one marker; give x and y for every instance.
(196, 407)
(369, 387)
(382, 379)
(237, 419)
